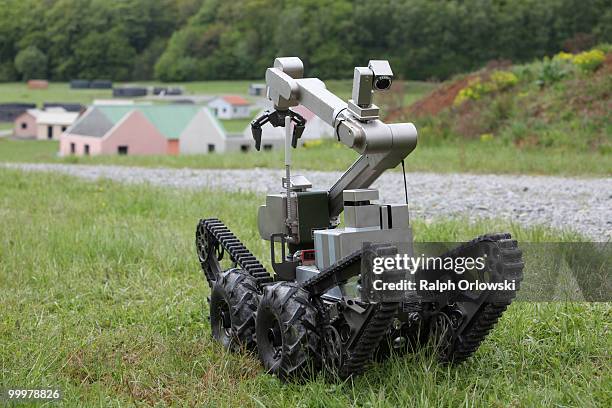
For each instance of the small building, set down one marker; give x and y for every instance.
(257, 89)
(53, 122)
(230, 107)
(97, 134)
(46, 124)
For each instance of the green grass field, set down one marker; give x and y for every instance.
(61, 92)
(102, 296)
(57, 92)
(472, 157)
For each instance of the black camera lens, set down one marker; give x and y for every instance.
(382, 83)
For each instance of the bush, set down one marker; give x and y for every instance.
(589, 61)
(605, 48)
(564, 56)
(498, 81)
(552, 71)
(502, 80)
(486, 137)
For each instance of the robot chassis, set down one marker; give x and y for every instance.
(317, 311)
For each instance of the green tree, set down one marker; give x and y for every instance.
(31, 63)
(111, 48)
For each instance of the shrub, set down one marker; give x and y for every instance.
(498, 81)
(589, 61)
(553, 70)
(604, 47)
(502, 80)
(473, 91)
(564, 56)
(486, 137)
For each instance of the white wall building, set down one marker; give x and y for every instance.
(230, 107)
(46, 124)
(52, 123)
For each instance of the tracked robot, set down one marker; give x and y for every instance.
(319, 309)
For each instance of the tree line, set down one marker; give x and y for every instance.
(183, 40)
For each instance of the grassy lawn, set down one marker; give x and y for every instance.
(61, 92)
(101, 295)
(57, 92)
(473, 157)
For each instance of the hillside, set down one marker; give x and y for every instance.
(560, 104)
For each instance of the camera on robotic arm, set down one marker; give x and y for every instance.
(377, 76)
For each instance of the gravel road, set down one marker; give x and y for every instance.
(583, 205)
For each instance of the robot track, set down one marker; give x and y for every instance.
(509, 266)
(213, 240)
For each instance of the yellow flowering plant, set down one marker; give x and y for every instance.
(589, 61)
(498, 81)
(564, 56)
(313, 143)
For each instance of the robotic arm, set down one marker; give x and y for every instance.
(356, 123)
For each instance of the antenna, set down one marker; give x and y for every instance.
(288, 142)
(405, 184)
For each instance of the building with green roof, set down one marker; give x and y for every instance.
(150, 129)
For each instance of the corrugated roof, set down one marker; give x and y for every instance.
(37, 112)
(53, 117)
(235, 100)
(34, 112)
(169, 120)
(92, 123)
